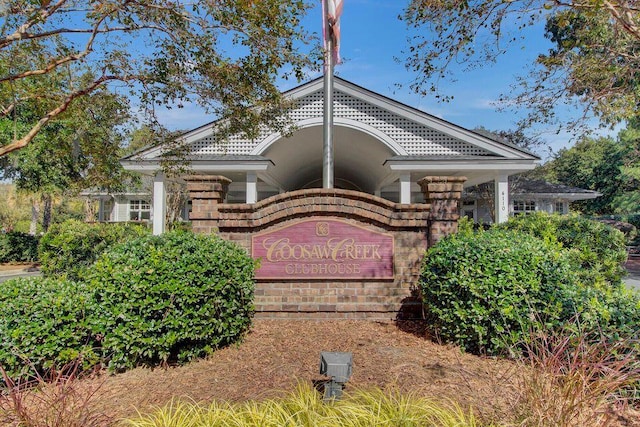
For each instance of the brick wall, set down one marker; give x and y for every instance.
(413, 227)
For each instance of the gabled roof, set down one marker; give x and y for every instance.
(409, 133)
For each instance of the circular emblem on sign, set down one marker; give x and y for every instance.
(322, 229)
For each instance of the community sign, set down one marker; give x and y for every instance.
(323, 249)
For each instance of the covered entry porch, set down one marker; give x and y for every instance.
(382, 148)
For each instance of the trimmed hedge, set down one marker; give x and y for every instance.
(152, 300)
(612, 314)
(18, 247)
(485, 290)
(73, 245)
(488, 291)
(597, 250)
(43, 323)
(170, 298)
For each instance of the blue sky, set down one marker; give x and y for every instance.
(373, 37)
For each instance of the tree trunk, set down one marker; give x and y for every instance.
(35, 215)
(487, 192)
(89, 210)
(176, 198)
(46, 212)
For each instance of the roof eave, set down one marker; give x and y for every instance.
(567, 196)
(152, 166)
(470, 164)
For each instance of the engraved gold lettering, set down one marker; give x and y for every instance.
(376, 254)
(339, 247)
(272, 248)
(303, 259)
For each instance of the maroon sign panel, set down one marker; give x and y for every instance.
(323, 249)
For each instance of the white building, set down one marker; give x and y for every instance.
(382, 147)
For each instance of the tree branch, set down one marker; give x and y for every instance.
(624, 17)
(4, 42)
(8, 109)
(52, 65)
(25, 140)
(41, 15)
(46, 69)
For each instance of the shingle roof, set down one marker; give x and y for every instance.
(521, 185)
(525, 185)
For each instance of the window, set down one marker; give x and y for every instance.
(139, 210)
(468, 209)
(559, 208)
(107, 209)
(523, 206)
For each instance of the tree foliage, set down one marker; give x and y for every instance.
(79, 150)
(607, 165)
(224, 55)
(593, 61)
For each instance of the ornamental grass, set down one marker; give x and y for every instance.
(304, 407)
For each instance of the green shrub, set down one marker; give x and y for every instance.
(612, 314)
(170, 297)
(597, 250)
(24, 226)
(485, 291)
(629, 230)
(152, 300)
(43, 324)
(466, 226)
(71, 246)
(18, 247)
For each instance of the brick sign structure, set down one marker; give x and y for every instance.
(331, 253)
(323, 249)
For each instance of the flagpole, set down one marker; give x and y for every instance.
(327, 146)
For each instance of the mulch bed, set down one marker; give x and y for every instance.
(277, 354)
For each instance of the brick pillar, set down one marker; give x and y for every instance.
(443, 193)
(206, 193)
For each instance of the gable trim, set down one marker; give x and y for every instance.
(339, 121)
(499, 149)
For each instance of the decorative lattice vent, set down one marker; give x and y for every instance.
(415, 138)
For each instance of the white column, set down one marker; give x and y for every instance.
(405, 188)
(502, 197)
(159, 204)
(252, 188)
